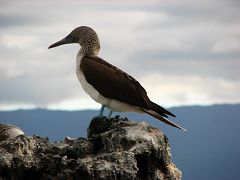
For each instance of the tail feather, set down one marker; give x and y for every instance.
(159, 117)
(160, 110)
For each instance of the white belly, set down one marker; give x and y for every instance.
(112, 104)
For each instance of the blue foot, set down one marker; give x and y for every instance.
(110, 114)
(101, 111)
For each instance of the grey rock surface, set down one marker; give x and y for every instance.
(115, 149)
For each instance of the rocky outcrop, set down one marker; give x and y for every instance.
(115, 149)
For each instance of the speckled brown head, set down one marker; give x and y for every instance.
(85, 36)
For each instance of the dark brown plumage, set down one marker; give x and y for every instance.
(113, 83)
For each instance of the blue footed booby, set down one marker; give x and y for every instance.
(107, 84)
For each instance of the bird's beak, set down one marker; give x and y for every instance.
(67, 40)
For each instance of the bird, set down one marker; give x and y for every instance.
(107, 84)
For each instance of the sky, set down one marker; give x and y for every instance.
(182, 52)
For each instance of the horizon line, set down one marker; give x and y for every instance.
(96, 109)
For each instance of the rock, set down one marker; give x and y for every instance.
(115, 149)
(9, 131)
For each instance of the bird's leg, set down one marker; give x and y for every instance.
(110, 114)
(101, 111)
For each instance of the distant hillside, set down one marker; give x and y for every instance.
(209, 150)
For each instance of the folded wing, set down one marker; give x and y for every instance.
(113, 83)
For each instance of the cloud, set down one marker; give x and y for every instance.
(169, 89)
(189, 48)
(227, 46)
(17, 41)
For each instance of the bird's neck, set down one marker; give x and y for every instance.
(90, 47)
(85, 52)
(88, 51)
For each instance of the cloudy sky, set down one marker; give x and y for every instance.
(183, 52)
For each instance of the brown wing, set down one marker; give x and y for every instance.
(113, 83)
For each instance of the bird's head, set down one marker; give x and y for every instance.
(85, 36)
